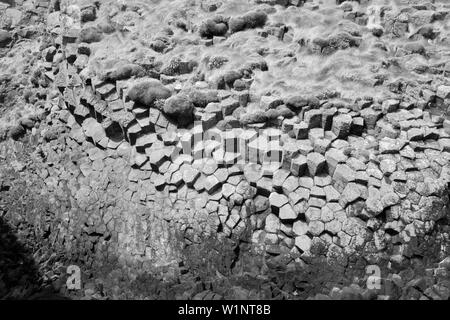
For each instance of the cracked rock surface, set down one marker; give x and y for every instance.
(201, 149)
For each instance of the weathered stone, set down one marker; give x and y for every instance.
(297, 102)
(370, 117)
(279, 177)
(388, 166)
(350, 194)
(264, 186)
(398, 176)
(305, 147)
(333, 226)
(5, 38)
(212, 184)
(321, 145)
(287, 213)
(390, 105)
(290, 151)
(373, 202)
(252, 172)
(333, 158)
(389, 198)
(270, 102)
(388, 145)
(290, 184)
(443, 92)
(326, 214)
(209, 167)
(316, 227)
(341, 125)
(415, 134)
(387, 130)
(331, 194)
(140, 159)
(356, 164)
(313, 118)
(159, 181)
(199, 183)
(273, 224)
(277, 201)
(148, 92)
(176, 178)
(303, 242)
(269, 168)
(190, 175)
(245, 189)
(316, 163)
(157, 157)
(303, 193)
(315, 134)
(316, 202)
(300, 228)
(300, 130)
(317, 192)
(93, 129)
(230, 141)
(274, 153)
(301, 207)
(261, 203)
(312, 214)
(145, 141)
(298, 165)
(444, 145)
(228, 190)
(228, 106)
(221, 174)
(306, 182)
(373, 171)
(342, 176)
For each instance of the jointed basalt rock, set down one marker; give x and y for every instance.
(294, 176)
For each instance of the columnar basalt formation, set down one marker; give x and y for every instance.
(296, 140)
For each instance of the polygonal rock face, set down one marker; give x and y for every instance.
(316, 227)
(176, 127)
(94, 130)
(252, 172)
(180, 108)
(341, 125)
(443, 92)
(300, 228)
(333, 158)
(272, 223)
(303, 242)
(190, 176)
(342, 176)
(316, 163)
(211, 184)
(264, 186)
(209, 167)
(279, 177)
(261, 203)
(287, 213)
(298, 165)
(277, 200)
(290, 184)
(388, 166)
